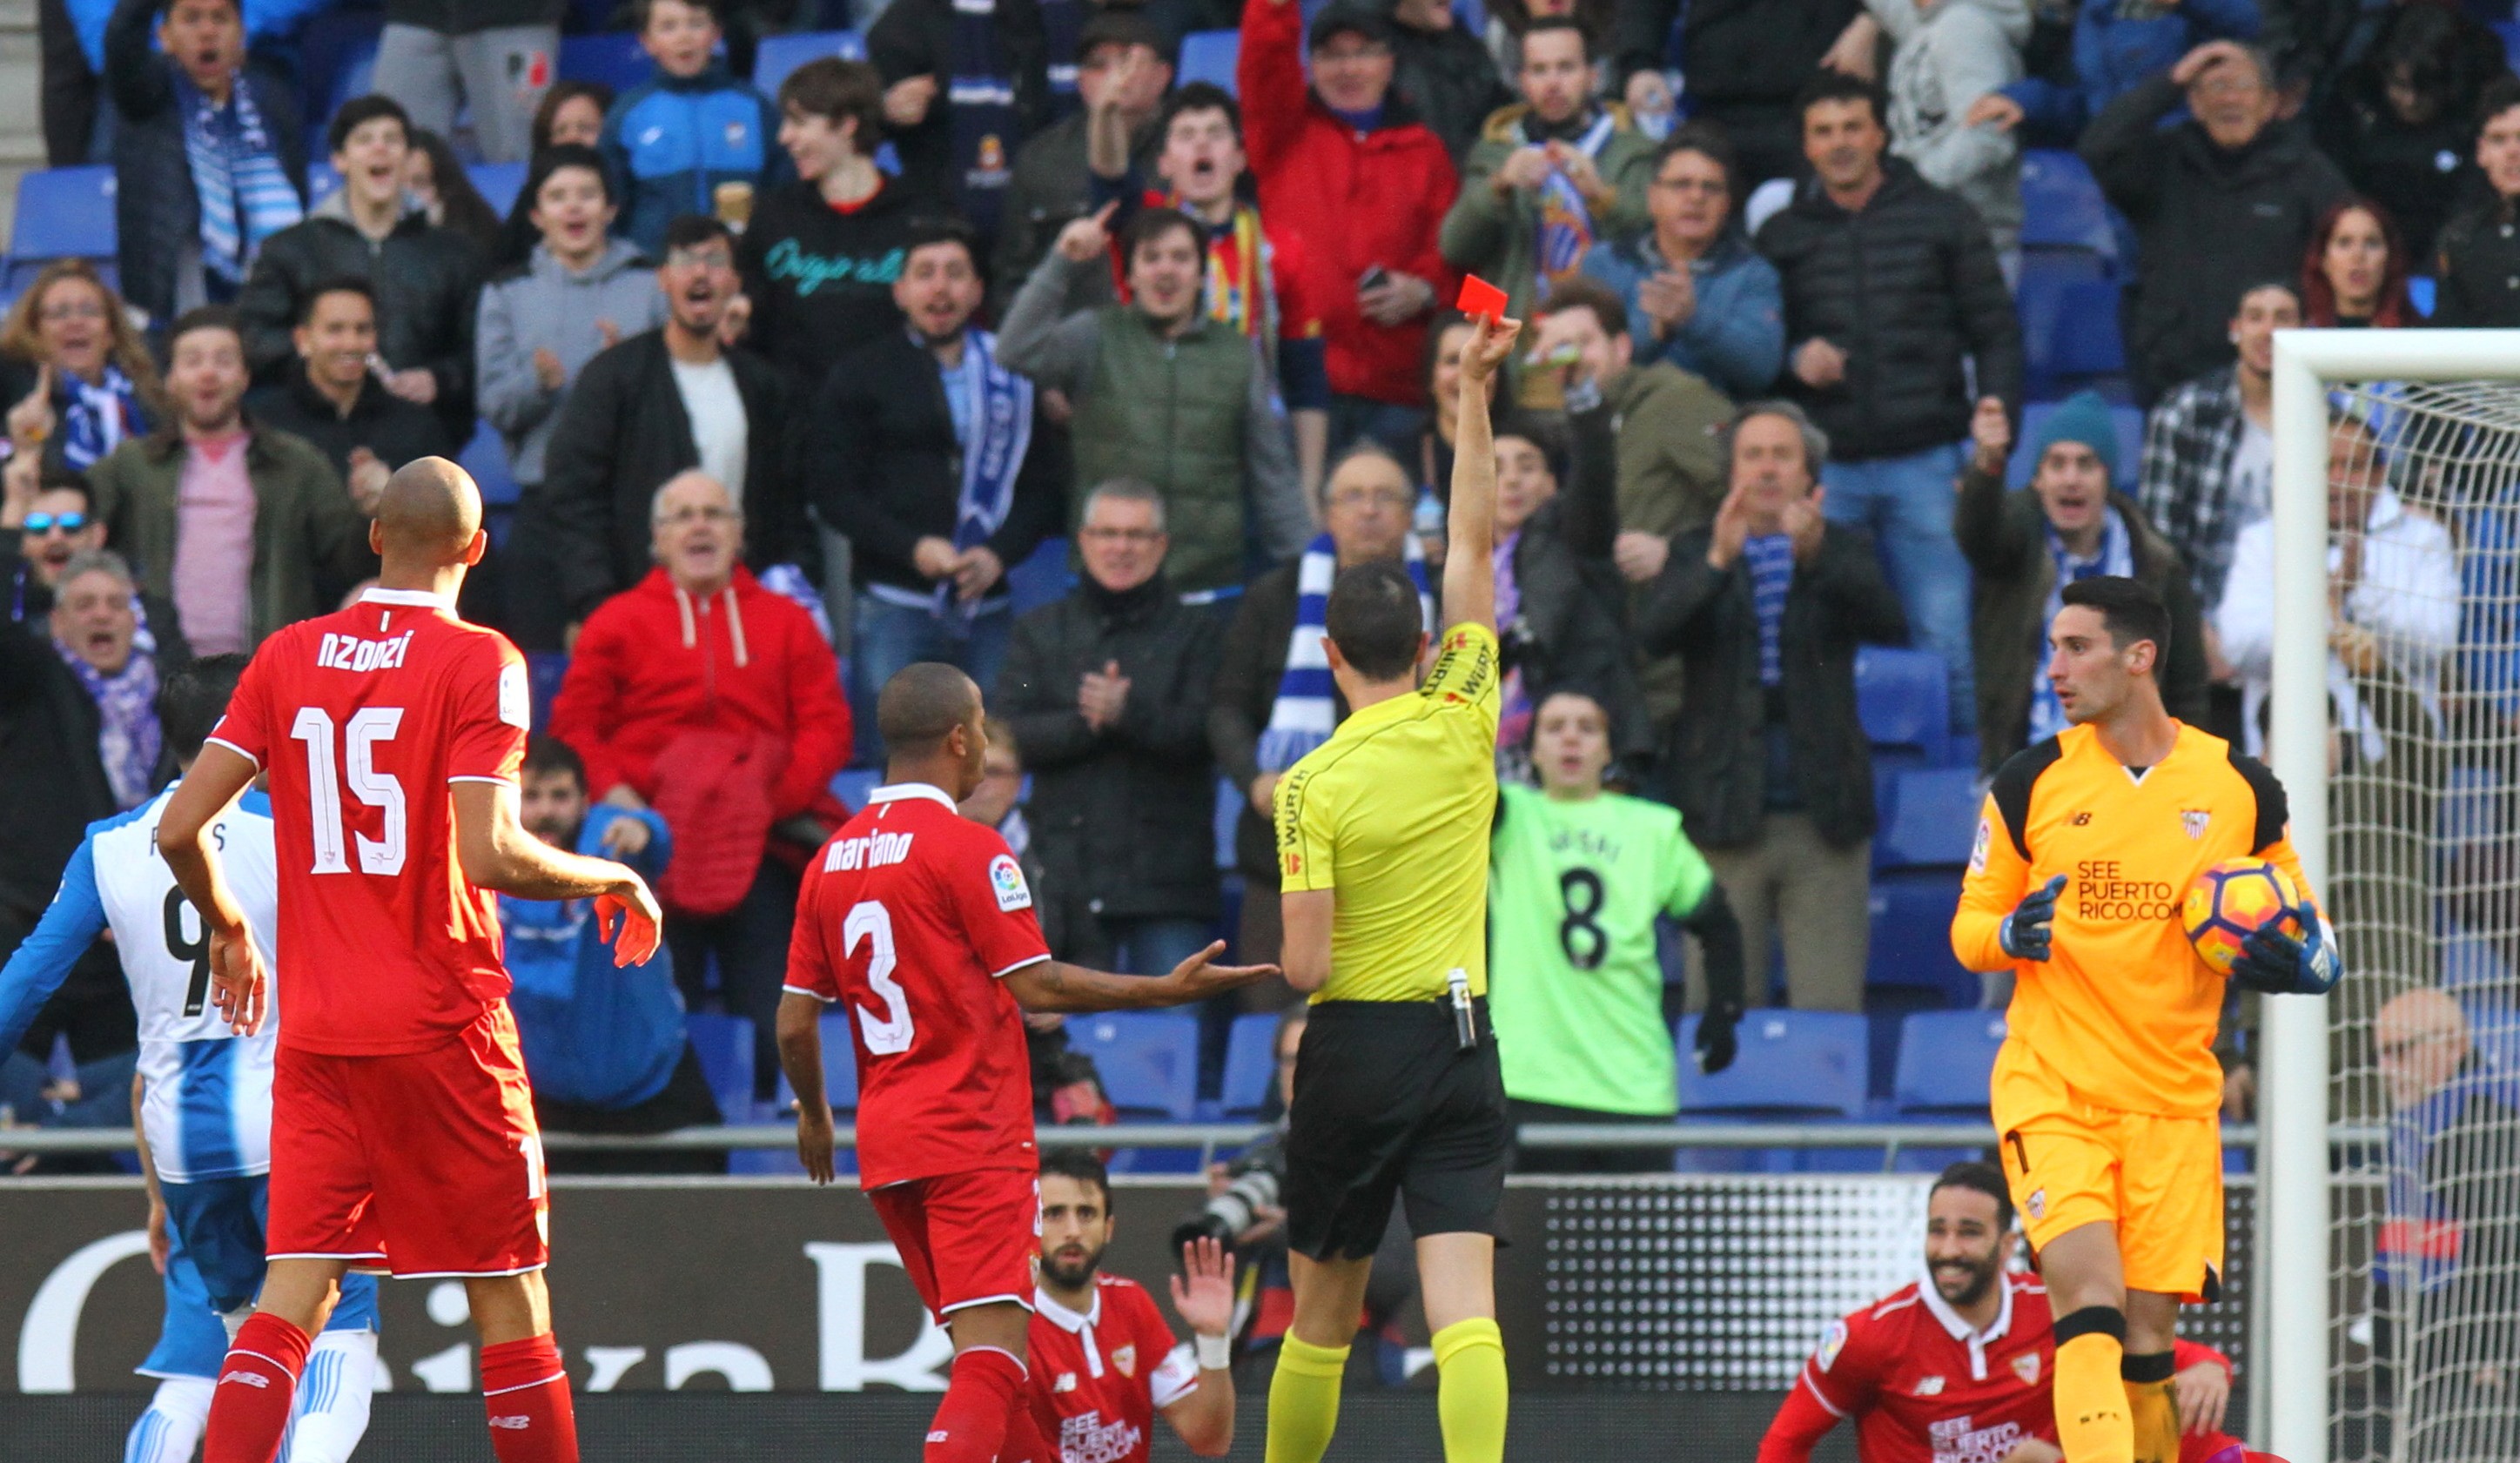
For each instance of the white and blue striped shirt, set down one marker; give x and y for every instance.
(206, 1102)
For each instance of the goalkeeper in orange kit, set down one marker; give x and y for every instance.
(2106, 1095)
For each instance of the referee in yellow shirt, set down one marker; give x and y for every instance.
(1382, 849)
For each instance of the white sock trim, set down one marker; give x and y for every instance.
(258, 1356)
(558, 1376)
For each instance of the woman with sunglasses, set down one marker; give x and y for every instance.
(74, 374)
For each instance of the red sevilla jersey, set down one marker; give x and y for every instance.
(362, 719)
(1103, 1376)
(1924, 1389)
(907, 918)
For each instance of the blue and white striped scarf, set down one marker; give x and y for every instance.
(998, 409)
(99, 417)
(2116, 555)
(1306, 711)
(244, 194)
(1770, 558)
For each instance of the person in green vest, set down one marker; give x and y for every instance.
(1577, 876)
(1165, 395)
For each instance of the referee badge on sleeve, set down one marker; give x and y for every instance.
(1006, 882)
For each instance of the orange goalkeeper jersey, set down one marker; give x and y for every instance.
(2123, 1011)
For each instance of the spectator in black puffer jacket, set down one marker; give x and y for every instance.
(426, 280)
(168, 261)
(1892, 291)
(2399, 122)
(1108, 691)
(2219, 202)
(1747, 61)
(2479, 263)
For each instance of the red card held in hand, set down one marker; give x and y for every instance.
(1479, 297)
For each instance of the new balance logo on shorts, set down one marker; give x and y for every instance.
(520, 1422)
(939, 1435)
(251, 1378)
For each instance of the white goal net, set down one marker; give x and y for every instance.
(2396, 711)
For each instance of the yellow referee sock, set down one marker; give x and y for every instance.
(2091, 1421)
(1303, 1400)
(2152, 1403)
(1470, 1390)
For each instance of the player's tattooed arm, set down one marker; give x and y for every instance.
(1056, 986)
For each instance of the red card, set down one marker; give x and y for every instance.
(1481, 298)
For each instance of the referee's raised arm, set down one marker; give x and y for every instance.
(1470, 569)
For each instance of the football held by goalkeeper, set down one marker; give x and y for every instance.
(2106, 1095)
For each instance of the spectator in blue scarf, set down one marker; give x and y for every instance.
(79, 377)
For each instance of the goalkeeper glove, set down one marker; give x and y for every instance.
(2025, 933)
(1716, 1047)
(2277, 964)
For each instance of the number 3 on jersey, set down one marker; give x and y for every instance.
(889, 1034)
(369, 726)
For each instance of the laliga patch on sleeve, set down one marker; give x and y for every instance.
(1006, 882)
(1985, 840)
(1830, 1345)
(516, 698)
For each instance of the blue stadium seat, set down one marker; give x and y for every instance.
(2061, 204)
(1792, 1063)
(63, 213)
(1250, 1065)
(336, 52)
(724, 1044)
(544, 672)
(1911, 944)
(2069, 321)
(1945, 1061)
(2509, 30)
(852, 785)
(1148, 1061)
(1929, 820)
(1229, 816)
(1210, 56)
(2423, 291)
(320, 180)
(1042, 577)
(613, 58)
(498, 182)
(1902, 697)
(778, 55)
(485, 457)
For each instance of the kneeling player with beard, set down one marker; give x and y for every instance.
(1958, 1365)
(1103, 1363)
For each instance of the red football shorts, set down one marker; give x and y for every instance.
(426, 1163)
(967, 1239)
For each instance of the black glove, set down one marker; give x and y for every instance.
(2277, 964)
(1716, 1046)
(2025, 934)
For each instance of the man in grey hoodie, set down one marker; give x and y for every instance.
(580, 292)
(1948, 53)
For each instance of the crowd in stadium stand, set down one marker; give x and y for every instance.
(1080, 342)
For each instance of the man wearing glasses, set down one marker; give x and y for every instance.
(665, 402)
(1106, 691)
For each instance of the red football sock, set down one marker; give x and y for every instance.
(525, 1388)
(257, 1386)
(981, 1398)
(1028, 1441)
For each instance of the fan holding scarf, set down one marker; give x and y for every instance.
(1273, 700)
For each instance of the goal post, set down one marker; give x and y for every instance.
(2435, 432)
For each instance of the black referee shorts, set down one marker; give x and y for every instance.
(1388, 1104)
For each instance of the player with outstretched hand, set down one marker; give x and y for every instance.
(1103, 1363)
(1959, 1364)
(918, 924)
(1382, 857)
(2106, 1095)
(402, 1127)
(200, 1098)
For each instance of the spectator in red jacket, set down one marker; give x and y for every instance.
(714, 700)
(1348, 165)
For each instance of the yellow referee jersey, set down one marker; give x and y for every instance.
(1393, 813)
(2124, 1013)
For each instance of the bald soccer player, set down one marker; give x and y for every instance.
(402, 1129)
